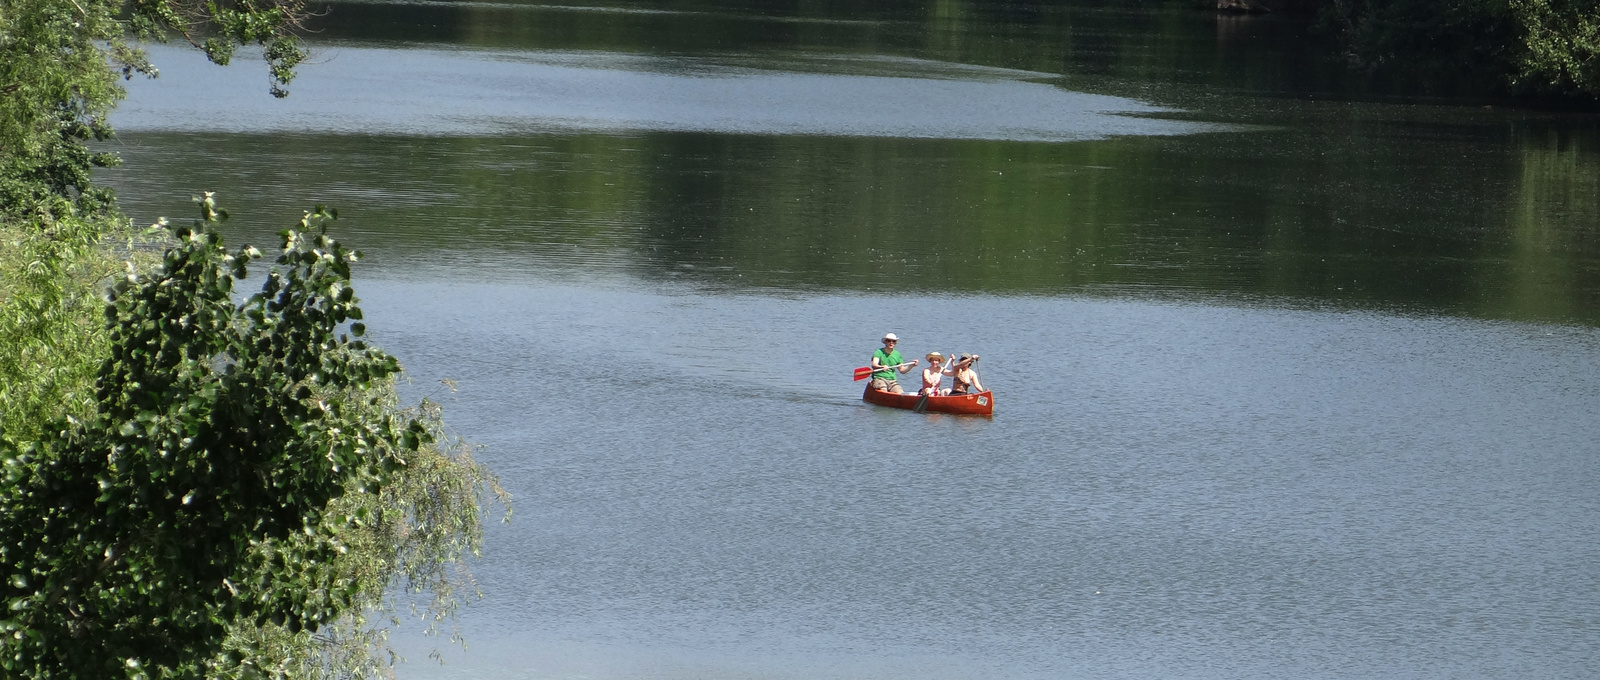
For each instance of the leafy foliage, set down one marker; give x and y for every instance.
(1560, 50)
(236, 453)
(59, 64)
(193, 487)
(1548, 47)
(55, 91)
(411, 536)
(50, 325)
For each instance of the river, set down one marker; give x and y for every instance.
(1294, 377)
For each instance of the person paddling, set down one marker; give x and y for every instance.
(934, 374)
(965, 378)
(885, 362)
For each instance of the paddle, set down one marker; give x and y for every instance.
(864, 371)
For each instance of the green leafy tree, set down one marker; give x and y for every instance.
(60, 61)
(1560, 46)
(1544, 47)
(235, 453)
(51, 334)
(192, 487)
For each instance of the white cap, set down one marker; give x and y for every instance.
(891, 336)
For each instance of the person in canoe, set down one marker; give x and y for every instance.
(885, 362)
(965, 377)
(933, 375)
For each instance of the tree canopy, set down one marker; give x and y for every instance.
(1536, 47)
(194, 494)
(193, 485)
(60, 61)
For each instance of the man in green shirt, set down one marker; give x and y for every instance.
(885, 362)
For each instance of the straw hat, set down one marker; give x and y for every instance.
(935, 356)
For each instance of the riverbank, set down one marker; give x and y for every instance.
(1540, 52)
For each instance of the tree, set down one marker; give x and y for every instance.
(206, 487)
(59, 64)
(192, 486)
(1560, 47)
(1539, 47)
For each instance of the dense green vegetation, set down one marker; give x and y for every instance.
(193, 486)
(1540, 47)
(58, 88)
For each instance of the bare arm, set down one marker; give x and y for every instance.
(878, 365)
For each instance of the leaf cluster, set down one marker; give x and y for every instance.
(406, 540)
(55, 91)
(1560, 48)
(50, 325)
(220, 477)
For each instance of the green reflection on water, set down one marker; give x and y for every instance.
(1553, 219)
(1401, 216)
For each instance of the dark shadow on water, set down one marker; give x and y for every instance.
(1495, 217)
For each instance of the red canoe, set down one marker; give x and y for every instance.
(976, 404)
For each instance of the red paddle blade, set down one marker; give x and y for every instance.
(863, 372)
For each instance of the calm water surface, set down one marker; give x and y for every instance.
(1295, 379)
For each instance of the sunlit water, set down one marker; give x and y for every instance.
(1285, 387)
(373, 91)
(1166, 490)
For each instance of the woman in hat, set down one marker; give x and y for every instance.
(934, 374)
